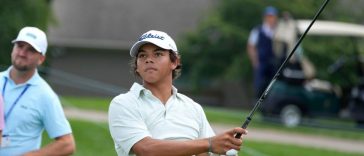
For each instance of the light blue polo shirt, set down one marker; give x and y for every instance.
(37, 109)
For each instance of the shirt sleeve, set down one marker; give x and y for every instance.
(126, 124)
(1, 113)
(205, 128)
(253, 37)
(54, 119)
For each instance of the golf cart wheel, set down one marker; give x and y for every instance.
(291, 115)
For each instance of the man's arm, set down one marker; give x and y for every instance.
(251, 47)
(252, 53)
(63, 145)
(203, 154)
(220, 144)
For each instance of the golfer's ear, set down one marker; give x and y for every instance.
(176, 63)
(41, 59)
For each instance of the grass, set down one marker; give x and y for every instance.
(236, 117)
(93, 103)
(254, 148)
(93, 139)
(226, 116)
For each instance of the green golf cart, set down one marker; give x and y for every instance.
(295, 95)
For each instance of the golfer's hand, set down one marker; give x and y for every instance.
(223, 142)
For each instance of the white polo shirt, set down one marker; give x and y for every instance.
(138, 114)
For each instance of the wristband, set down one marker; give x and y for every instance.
(210, 145)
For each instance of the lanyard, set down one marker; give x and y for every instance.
(16, 100)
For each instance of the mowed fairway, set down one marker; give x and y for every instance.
(94, 138)
(254, 148)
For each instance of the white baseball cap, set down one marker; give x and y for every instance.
(35, 37)
(158, 38)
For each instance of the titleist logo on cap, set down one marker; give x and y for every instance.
(31, 35)
(150, 35)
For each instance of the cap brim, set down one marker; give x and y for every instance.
(32, 44)
(135, 48)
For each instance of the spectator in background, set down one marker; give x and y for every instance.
(30, 105)
(260, 50)
(299, 68)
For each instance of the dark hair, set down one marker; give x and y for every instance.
(172, 56)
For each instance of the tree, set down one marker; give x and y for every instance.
(216, 50)
(16, 14)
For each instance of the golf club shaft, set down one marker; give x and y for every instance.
(266, 91)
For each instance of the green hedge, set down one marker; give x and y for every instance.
(15, 14)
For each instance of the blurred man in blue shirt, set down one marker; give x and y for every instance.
(30, 105)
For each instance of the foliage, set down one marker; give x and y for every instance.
(17, 14)
(216, 50)
(325, 51)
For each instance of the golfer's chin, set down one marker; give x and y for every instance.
(150, 80)
(21, 67)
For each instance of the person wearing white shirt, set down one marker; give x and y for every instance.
(260, 50)
(153, 118)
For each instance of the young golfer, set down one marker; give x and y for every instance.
(153, 118)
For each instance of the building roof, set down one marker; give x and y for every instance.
(116, 24)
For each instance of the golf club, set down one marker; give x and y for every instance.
(267, 89)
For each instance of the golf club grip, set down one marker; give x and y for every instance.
(245, 125)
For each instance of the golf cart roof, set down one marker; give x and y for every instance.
(331, 28)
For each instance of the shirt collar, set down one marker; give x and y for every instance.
(269, 31)
(138, 90)
(32, 81)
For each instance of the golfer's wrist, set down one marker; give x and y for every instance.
(209, 147)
